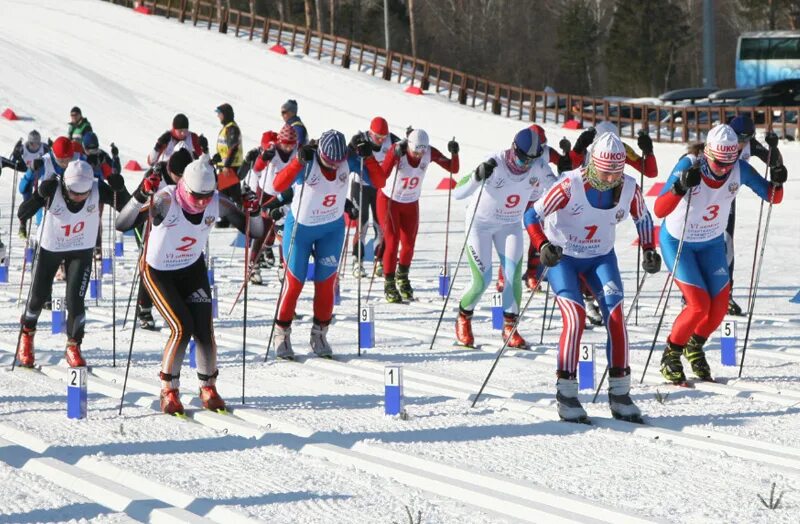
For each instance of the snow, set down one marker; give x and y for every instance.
(312, 444)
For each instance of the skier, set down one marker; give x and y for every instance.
(289, 115)
(580, 215)
(177, 137)
(68, 233)
(382, 140)
(229, 157)
(405, 166)
(78, 127)
(28, 156)
(102, 165)
(175, 271)
(508, 181)
(319, 175)
(707, 186)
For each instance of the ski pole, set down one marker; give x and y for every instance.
(288, 258)
(758, 235)
(11, 217)
(671, 281)
(25, 259)
(544, 317)
(505, 343)
(447, 223)
(458, 264)
(663, 290)
(639, 244)
(112, 221)
(134, 285)
(246, 280)
(359, 227)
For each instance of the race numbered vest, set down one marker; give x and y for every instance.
(173, 145)
(266, 179)
(176, 243)
(28, 157)
(67, 231)
(582, 230)
(506, 195)
(322, 199)
(222, 147)
(708, 212)
(405, 183)
(379, 156)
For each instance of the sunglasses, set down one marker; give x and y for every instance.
(722, 167)
(744, 137)
(91, 150)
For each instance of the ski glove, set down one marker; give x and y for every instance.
(585, 140)
(778, 175)
(48, 188)
(162, 141)
(453, 147)
(484, 171)
(203, 143)
(361, 145)
(277, 213)
(37, 164)
(351, 209)
(401, 148)
(250, 203)
(268, 154)
(114, 150)
(251, 156)
(645, 143)
(116, 182)
(688, 179)
(771, 139)
(549, 254)
(565, 146)
(216, 159)
(651, 262)
(151, 182)
(16, 155)
(306, 153)
(564, 163)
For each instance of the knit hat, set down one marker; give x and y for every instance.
(418, 140)
(78, 176)
(76, 110)
(178, 161)
(379, 126)
(606, 127)
(90, 142)
(199, 176)
(332, 147)
(34, 139)
(744, 127)
(290, 105)
(722, 144)
(180, 122)
(608, 153)
(287, 135)
(63, 148)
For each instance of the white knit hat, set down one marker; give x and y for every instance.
(78, 176)
(722, 144)
(608, 153)
(199, 176)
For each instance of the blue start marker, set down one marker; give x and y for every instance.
(497, 311)
(727, 341)
(76, 392)
(366, 327)
(96, 289)
(444, 279)
(119, 245)
(369, 250)
(393, 390)
(58, 318)
(192, 354)
(105, 267)
(239, 240)
(337, 296)
(586, 366)
(28, 254)
(4, 271)
(210, 272)
(796, 299)
(214, 303)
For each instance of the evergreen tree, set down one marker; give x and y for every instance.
(578, 39)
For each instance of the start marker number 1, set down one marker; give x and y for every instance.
(393, 389)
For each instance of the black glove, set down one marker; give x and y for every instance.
(216, 159)
(549, 254)
(771, 139)
(277, 213)
(114, 150)
(37, 164)
(116, 182)
(688, 179)
(778, 175)
(484, 170)
(151, 181)
(361, 145)
(651, 261)
(409, 129)
(163, 140)
(268, 154)
(564, 163)
(306, 153)
(16, 154)
(585, 140)
(645, 143)
(565, 146)
(351, 209)
(401, 148)
(251, 156)
(203, 144)
(453, 147)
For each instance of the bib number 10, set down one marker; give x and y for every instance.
(69, 229)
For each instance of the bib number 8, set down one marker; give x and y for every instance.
(329, 200)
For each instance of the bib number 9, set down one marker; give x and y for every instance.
(512, 201)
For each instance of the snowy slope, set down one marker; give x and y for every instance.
(312, 443)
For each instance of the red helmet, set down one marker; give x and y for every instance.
(536, 128)
(379, 126)
(63, 148)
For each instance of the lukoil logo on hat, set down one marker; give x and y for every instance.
(608, 153)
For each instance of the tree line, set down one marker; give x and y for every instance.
(584, 47)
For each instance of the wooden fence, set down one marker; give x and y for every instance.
(665, 123)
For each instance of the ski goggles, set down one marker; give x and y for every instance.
(91, 150)
(744, 138)
(718, 166)
(521, 159)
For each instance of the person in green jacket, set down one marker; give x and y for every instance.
(78, 126)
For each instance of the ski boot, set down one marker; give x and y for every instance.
(146, 320)
(25, 354)
(73, 354)
(734, 308)
(671, 366)
(693, 351)
(283, 342)
(464, 328)
(619, 398)
(209, 397)
(23, 231)
(593, 314)
(390, 291)
(358, 269)
(514, 340)
(171, 401)
(531, 282)
(501, 281)
(255, 277)
(403, 284)
(379, 269)
(269, 258)
(569, 407)
(319, 342)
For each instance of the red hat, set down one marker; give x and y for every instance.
(536, 128)
(268, 138)
(63, 148)
(287, 135)
(379, 126)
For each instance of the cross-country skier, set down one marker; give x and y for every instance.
(69, 228)
(707, 186)
(78, 127)
(319, 174)
(382, 141)
(229, 157)
(102, 165)
(505, 183)
(175, 273)
(23, 158)
(405, 166)
(176, 138)
(580, 215)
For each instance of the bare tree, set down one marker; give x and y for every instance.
(411, 28)
(331, 13)
(307, 5)
(318, 11)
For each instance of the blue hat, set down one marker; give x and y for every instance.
(526, 145)
(744, 127)
(332, 147)
(90, 141)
